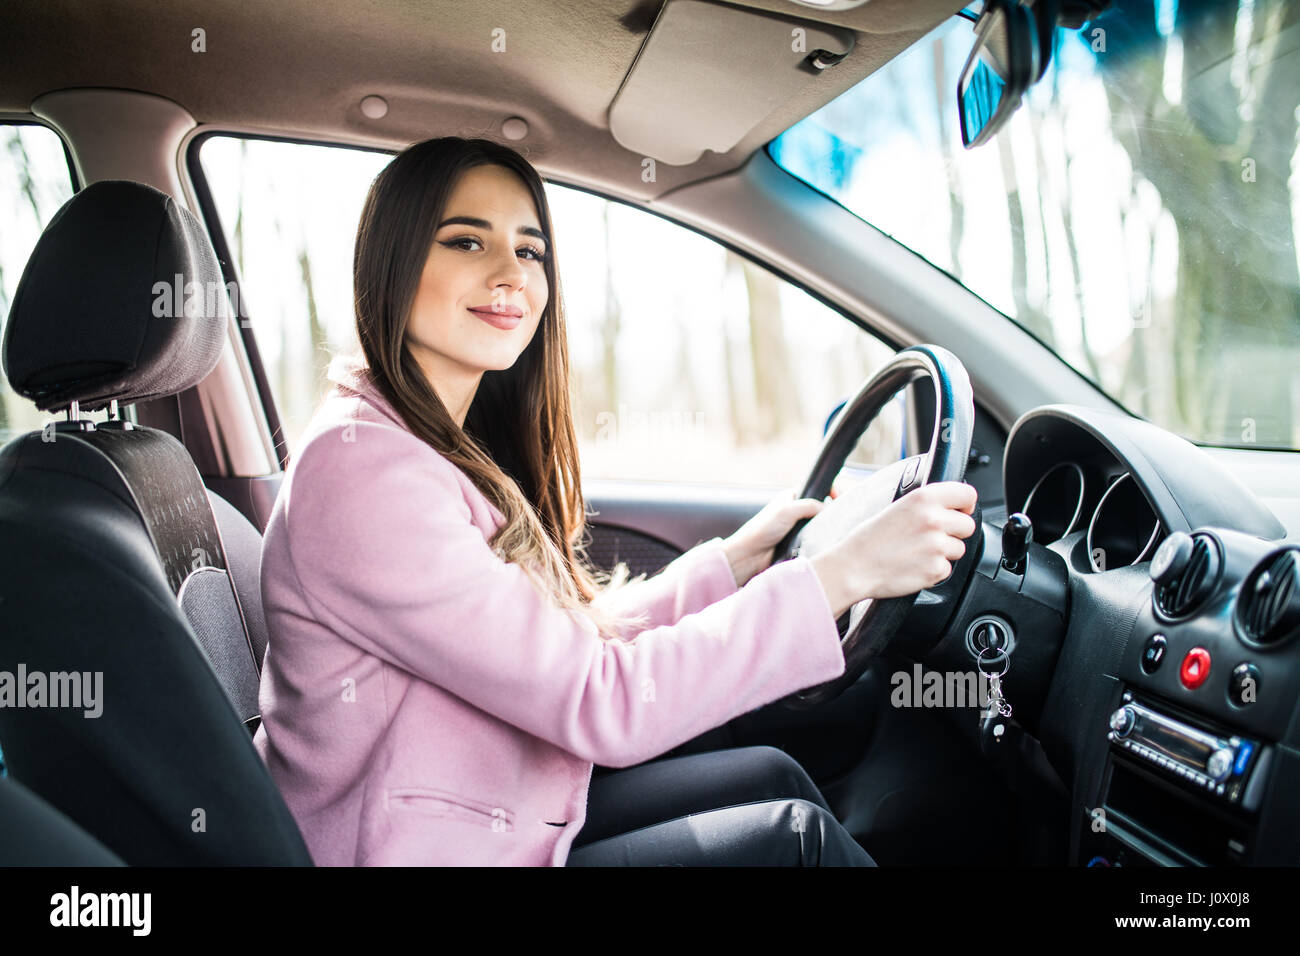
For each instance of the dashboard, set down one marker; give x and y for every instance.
(1155, 624)
(1104, 501)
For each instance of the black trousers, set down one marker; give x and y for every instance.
(749, 806)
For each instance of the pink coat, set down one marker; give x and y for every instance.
(423, 704)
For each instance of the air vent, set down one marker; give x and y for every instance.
(1268, 610)
(1189, 587)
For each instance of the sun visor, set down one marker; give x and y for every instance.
(707, 75)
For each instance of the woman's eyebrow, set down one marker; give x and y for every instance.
(484, 224)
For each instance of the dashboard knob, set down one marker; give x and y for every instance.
(1122, 721)
(1016, 535)
(1219, 764)
(1172, 557)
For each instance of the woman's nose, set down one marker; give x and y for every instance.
(508, 270)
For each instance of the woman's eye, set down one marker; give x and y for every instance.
(535, 254)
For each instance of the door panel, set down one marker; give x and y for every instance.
(648, 524)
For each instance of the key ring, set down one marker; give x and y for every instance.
(1006, 662)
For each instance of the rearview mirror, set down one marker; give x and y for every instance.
(1001, 67)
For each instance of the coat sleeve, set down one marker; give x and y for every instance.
(382, 541)
(689, 583)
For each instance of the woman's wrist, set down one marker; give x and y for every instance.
(744, 561)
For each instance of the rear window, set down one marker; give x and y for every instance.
(35, 181)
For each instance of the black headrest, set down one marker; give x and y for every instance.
(122, 299)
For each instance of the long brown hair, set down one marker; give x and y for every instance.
(518, 445)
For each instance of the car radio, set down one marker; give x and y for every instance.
(1219, 766)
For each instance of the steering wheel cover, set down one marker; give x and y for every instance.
(871, 628)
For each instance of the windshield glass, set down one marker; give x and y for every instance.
(1137, 214)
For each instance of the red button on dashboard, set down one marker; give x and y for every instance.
(1196, 668)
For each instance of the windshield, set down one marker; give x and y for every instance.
(1137, 214)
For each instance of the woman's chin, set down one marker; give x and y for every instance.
(499, 362)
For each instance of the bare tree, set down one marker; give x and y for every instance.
(1045, 328)
(239, 206)
(736, 403)
(775, 396)
(956, 208)
(1026, 314)
(1072, 247)
(612, 324)
(319, 341)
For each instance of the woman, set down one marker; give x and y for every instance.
(443, 669)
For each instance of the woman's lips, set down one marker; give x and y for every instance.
(498, 319)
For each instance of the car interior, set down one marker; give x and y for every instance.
(1134, 578)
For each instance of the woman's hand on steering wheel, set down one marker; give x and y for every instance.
(752, 547)
(909, 546)
(902, 553)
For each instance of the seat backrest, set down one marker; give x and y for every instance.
(152, 471)
(111, 562)
(33, 833)
(243, 546)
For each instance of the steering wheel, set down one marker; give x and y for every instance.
(872, 624)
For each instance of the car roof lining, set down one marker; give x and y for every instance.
(301, 67)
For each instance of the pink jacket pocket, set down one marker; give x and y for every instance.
(431, 801)
(428, 826)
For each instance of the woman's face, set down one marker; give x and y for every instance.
(487, 255)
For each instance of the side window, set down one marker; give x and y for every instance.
(34, 182)
(290, 214)
(692, 363)
(689, 362)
